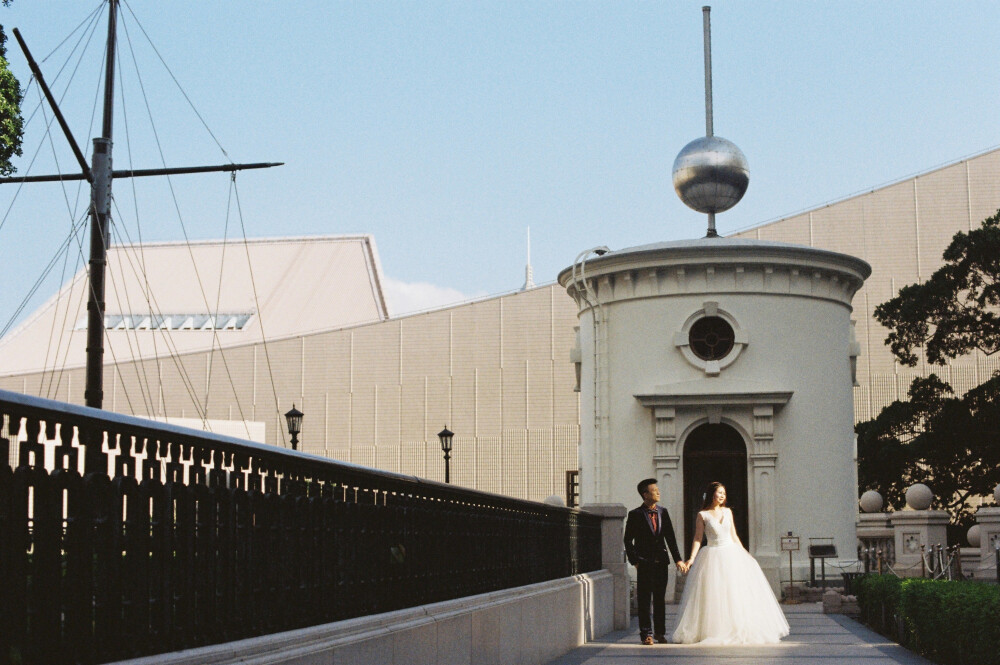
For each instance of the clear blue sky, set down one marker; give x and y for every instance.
(445, 129)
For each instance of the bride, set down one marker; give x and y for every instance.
(727, 599)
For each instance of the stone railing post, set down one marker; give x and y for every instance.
(916, 531)
(613, 554)
(988, 520)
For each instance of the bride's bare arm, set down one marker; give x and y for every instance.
(732, 529)
(699, 532)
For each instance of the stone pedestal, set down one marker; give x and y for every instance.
(613, 554)
(913, 529)
(988, 519)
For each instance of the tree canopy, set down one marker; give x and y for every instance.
(953, 312)
(949, 442)
(11, 123)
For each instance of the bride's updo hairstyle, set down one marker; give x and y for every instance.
(708, 498)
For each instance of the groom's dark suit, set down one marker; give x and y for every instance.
(646, 549)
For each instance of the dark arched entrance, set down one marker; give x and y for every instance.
(715, 452)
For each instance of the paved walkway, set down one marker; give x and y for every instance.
(815, 639)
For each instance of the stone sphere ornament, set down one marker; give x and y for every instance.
(711, 174)
(919, 496)
(554, 500)
(975, 535)
(871, 502)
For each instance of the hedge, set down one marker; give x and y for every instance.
(949, 622)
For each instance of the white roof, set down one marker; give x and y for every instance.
(162, 296)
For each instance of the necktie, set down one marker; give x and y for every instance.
(653, 515)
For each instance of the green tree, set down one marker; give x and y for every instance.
(951, 443)
(11, 123)
(955, 311)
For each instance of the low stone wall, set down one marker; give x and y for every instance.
(834, 602)
(527, 625)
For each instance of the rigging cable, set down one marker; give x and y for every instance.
(107, 339)
(93, 19)
(256, 300)
(218, 298)
(144, 279)
(50, 374)
(138, 367)
(165, 66)
(172, 351)
(74, 229)
(173, 195)
(38, 282)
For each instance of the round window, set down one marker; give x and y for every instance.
(711, 338)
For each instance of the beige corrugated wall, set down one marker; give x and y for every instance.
(496, 372)
(901, 230)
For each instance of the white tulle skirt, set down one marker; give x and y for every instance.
(727, 600)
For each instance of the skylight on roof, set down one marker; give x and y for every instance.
(229, 321)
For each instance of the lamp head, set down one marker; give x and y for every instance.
(294, 420)
(446, 435)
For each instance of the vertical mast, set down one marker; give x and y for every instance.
(100, 217)
(707, 28)
(706, 13)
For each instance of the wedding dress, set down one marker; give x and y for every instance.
(727, 599)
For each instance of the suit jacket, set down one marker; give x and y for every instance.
(642, 545)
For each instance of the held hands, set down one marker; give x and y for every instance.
(683, 566)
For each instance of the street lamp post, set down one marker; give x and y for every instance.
(446, 435)
(294, 418)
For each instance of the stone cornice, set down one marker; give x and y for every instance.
(664, 396)
(720, 266)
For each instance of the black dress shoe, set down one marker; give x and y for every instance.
(662, 639)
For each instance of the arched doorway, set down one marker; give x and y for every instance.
(715, 452)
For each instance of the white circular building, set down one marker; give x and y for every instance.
(722, 359)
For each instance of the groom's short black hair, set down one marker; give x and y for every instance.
(644, 485)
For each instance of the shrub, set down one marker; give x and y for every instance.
(952, 623)
(878, 602)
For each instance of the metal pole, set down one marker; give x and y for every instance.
(141, 173)
(37, 73)
(707, 24)
(709, 129)
(447, 461)
(100, 213)
(791, 580)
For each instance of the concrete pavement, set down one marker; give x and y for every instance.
(815, 639)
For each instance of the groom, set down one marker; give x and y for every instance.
(648, 534)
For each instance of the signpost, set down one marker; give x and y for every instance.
(790, 544)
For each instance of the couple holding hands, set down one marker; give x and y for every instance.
(726, 599)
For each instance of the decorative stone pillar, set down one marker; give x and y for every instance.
(913, 529)
(667, 461)
(988, 519)
(764, 460)
(613, 554)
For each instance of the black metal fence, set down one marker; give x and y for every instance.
(155, 538)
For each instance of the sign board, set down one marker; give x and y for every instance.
(789, 543)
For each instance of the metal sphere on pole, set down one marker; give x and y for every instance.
(710, 174)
